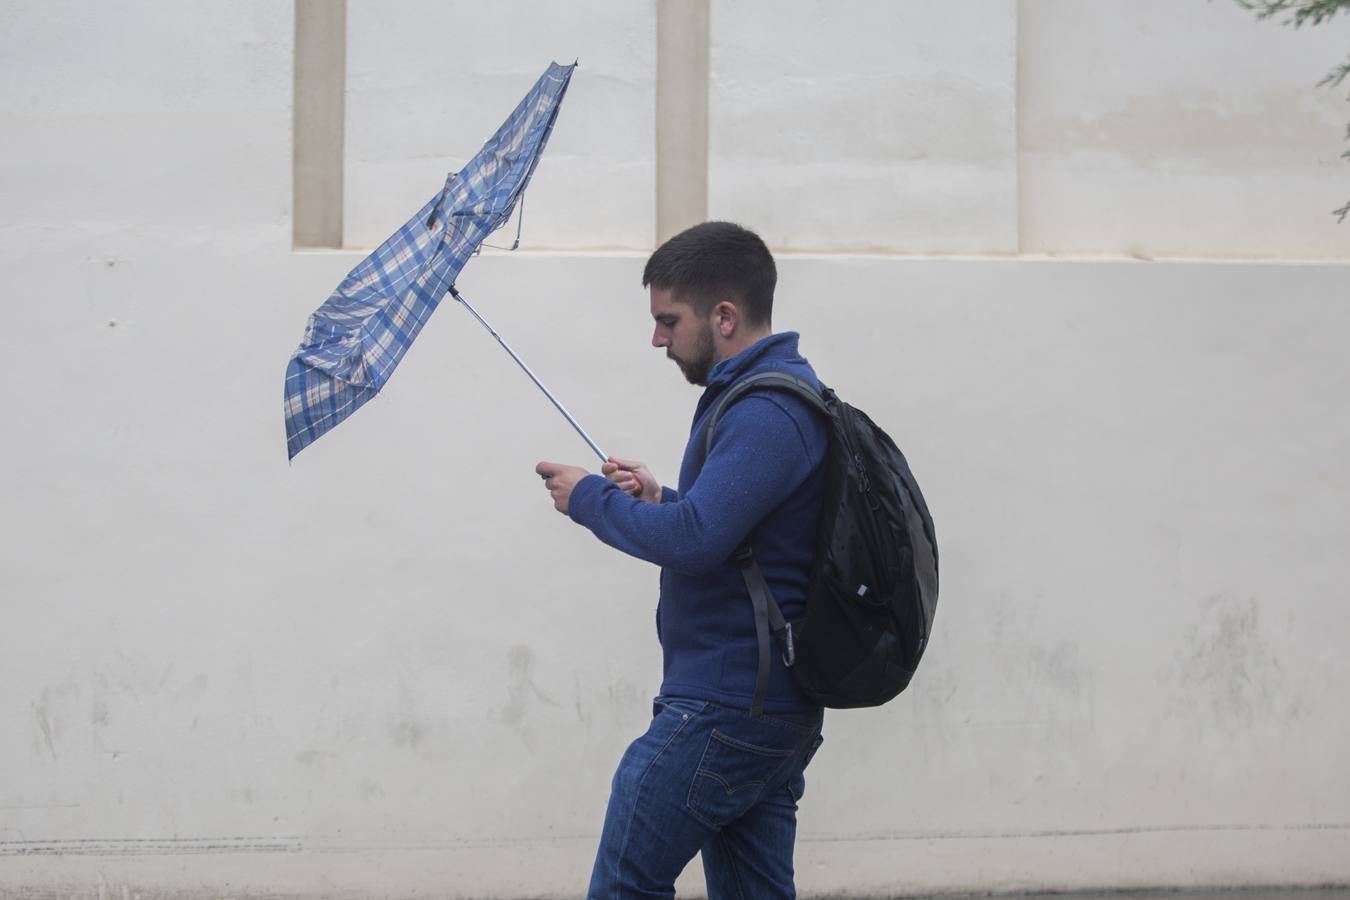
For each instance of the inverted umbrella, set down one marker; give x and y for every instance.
(354, 341)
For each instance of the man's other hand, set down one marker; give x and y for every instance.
(633, 478)
(559, 480)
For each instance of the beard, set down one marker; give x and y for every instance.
(700, 360)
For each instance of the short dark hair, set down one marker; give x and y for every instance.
(703, 264)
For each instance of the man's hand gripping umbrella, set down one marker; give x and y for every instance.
(631, 476)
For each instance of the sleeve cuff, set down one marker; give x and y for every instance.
(582, 506)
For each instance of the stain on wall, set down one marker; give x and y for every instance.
(51, 714)
(1226, 675)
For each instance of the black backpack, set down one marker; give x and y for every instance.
(874, 581)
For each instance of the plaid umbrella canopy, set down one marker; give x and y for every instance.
(354, 341)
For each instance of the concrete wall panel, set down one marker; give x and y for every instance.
(1180, 129)
(392, 666)
(865, 126)
(144, 114)
(428, 82)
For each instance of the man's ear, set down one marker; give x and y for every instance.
(725, 318)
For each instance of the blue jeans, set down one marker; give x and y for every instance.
(711, 779)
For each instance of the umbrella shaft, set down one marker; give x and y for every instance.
(520, 362)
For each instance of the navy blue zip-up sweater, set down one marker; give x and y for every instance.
(763, 479)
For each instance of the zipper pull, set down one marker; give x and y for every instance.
(873, 501)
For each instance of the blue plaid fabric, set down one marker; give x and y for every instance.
(354, 341)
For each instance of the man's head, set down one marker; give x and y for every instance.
(711, 295)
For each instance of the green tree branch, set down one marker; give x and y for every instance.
(1309, 12)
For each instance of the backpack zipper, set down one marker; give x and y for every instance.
(880, 567)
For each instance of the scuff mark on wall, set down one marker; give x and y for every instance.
(192, 691)
(371, 790)
(1228, 676)
(42, 722)
(49, 718)
(126, 692)
(583, 715)
(520, 687)
(408, 726)
(313, 757)
(934, 691)
(623, 699)
(1059, 667)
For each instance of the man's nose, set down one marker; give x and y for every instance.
(659, 340)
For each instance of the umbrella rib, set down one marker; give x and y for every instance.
(354, 341)
(520, 362)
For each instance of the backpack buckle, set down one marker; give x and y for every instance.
(789, 646)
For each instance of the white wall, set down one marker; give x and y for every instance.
(428, 82)
(866, 126)
(1152, 129)
(1156, 128)
(391, 669)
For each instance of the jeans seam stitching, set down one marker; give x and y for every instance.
(735, 869)
(632, 813)
(736, 744)
(693, 787)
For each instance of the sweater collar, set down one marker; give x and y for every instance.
(781, 347)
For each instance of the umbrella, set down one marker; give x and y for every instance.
(354, 341)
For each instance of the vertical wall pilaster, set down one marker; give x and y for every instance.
(320, 89)
(681, 115)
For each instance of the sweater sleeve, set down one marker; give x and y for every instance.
(759, 456)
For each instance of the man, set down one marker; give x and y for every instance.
(708, 776)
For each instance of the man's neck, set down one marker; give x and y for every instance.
(738, 343)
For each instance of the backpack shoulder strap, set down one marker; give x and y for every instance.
(781, 381)
(769, 619)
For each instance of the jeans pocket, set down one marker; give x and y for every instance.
(731, 778)
(679, 706)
